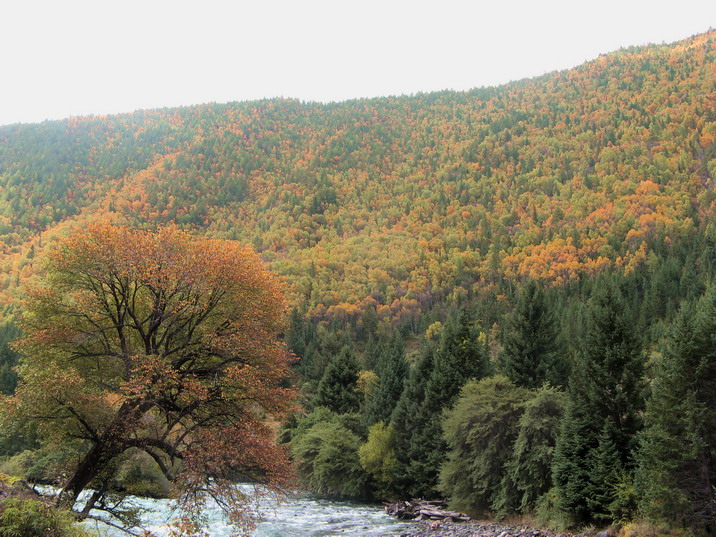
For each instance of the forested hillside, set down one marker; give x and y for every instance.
(505, 297)
(552, 178)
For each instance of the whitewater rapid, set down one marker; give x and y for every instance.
(298, 515)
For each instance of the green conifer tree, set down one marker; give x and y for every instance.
(372, 353)
(370, 323)
(570, 472)
(392, 372)
(531, 344)
(605, 385)
(8, 358)
(677, 454)
(605, 469)
(297, 332)
(337, 388)
(610, 366)
(321, 346)
(460, 357)
(462, 349)
(407, 420)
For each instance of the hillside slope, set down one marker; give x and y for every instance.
(400, 201)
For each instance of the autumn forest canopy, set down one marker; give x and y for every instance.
(503, 296)
(554, 178)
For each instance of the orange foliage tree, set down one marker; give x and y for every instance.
(164, 343)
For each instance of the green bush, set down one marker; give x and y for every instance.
(529, 470)
(38, 466)
(548, 513)
(16, 466)
(480, 430)
(32, 518)
(298, 425)
(327, 460)
(624, 506)
(377, 457)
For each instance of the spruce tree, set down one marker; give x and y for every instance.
(461, 348)
(372, 353)
(321, 347)
(460, 357)
(337, 388)
(677, 453)
(8, 358)
(610, 366)
(531, 344)
(370, 323)
(605, 387)
(392, 372)
(297, 333)
(605, 470)
(570, 470)
(407, 420)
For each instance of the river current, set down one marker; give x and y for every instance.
(299, 515)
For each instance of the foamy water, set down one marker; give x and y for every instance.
(299, 515)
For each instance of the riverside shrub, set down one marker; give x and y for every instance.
(377, 457)
(20, 517)
(529, 470)
(480, 430)
(327, 460)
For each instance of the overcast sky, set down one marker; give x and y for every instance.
(79, 57)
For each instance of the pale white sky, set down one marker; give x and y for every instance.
(78, 57)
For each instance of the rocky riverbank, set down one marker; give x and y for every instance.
(436, 521)
(437, 528)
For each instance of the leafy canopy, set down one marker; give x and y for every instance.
(159, 342)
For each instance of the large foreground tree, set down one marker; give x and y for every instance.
(158, 342)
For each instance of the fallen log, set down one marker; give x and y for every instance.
(439, 514)
(419, 509)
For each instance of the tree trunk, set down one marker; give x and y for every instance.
(93, 463)
(110, 444)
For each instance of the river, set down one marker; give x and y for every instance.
(300, 515)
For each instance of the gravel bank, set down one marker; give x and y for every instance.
(477, 529)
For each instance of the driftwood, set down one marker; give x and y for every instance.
(424, 510)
